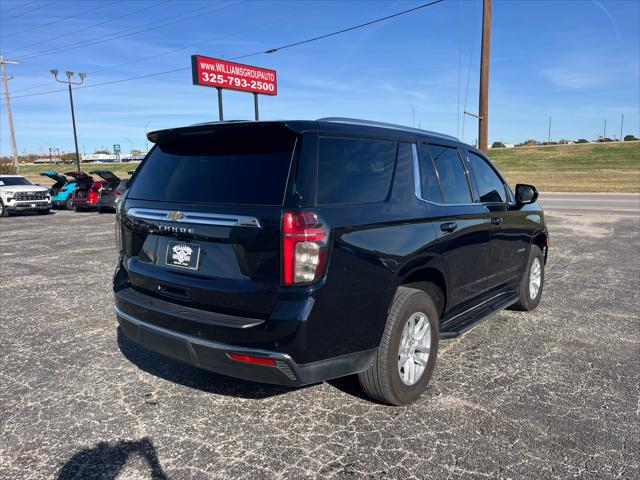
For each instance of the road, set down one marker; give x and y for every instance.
(602, 203)
(549, 394)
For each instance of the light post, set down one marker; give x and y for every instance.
(68, 81)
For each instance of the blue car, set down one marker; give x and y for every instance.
(61, 190)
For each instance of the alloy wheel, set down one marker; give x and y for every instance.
(415, 346)
(535, 278)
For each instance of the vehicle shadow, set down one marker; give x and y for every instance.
(193, 377)
(106, 460)
(31, 214)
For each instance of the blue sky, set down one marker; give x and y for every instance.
(576, 61)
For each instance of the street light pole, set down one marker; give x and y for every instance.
(604, 132)
(68, 81)
(621, 125)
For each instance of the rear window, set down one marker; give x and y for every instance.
(354, 171)
(246, 166)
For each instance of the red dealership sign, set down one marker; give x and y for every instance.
(213, 72)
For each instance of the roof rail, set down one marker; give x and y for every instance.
(357, 121)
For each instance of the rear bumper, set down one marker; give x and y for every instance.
(106, 203)
(211, 355)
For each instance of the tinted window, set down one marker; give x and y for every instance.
(490, 186)
(237, 166)
(354, 171)
(453, 178)
(429, 186)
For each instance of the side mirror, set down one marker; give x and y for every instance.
(526, 194)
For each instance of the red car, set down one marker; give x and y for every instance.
(80, 195)
(87, 193)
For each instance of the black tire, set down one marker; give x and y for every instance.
(69, 204)
(101, 210)
(382, 380)
(3, 211)
(526, 303)
(44, 212)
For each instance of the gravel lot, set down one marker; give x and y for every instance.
(549, 394)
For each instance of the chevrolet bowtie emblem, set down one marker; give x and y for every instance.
(175, 216)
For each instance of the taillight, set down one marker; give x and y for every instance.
(304, 247)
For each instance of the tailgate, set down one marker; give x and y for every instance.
(202, 220)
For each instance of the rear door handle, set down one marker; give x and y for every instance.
(496, 220)
(448, 227)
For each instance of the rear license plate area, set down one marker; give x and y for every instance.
(183, 255)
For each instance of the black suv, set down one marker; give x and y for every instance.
(293, 252)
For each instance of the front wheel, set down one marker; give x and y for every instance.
(407, 353)
(532, 282)
(3, 210)
(69, 203)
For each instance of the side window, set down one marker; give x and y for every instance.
(429, 186)
(354, 170)
(490, 186)
(453, 178)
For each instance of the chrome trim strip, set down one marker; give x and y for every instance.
(418, 186)
(194, 217)
(205, 343)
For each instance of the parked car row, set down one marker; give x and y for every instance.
(75, 190)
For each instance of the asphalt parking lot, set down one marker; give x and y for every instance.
(550, 394)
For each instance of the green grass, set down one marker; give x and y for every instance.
(32, 171)
(602, 167)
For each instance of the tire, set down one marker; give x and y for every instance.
(69, 204)
(100, 210)
(526, 302)
(3, 211)
(44, 212)
(383, 380)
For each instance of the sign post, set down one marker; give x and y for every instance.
(116, 150)
(221, 74)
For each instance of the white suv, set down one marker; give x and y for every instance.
(18, 194)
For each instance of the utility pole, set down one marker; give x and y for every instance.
(549, 137)
(68, 81)
(413, 116)
(604, 132)
(621, 125)
(483, 107)
(14, 148)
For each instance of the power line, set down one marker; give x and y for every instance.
(466, 95)
(344, 30)
(29, 11)
(217, 37)
(17, 6)
(61, 20)
(91, 26)
(166, 72)
(128, 32)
